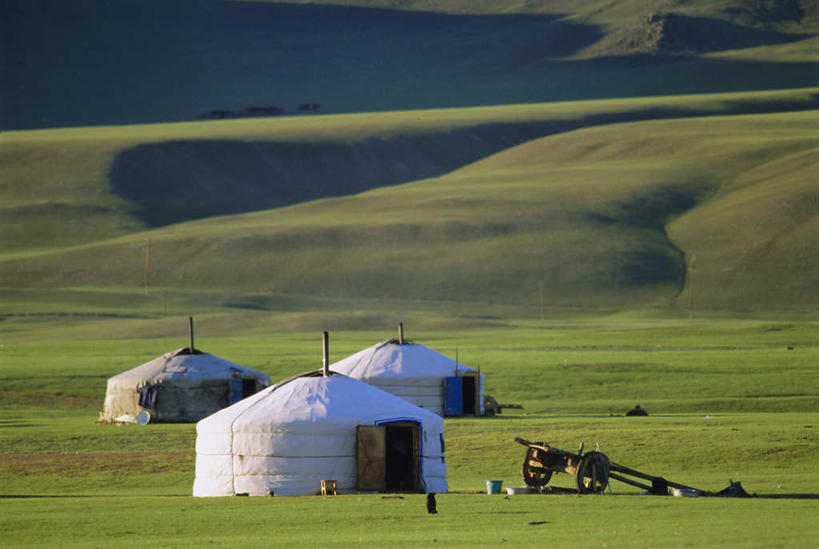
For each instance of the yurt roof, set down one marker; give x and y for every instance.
(184, 364)
(316, 403)
(400, 360)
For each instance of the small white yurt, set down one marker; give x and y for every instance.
(418, 374)
(319, 426)
(181, 386)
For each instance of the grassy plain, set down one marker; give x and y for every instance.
(727, 400)
(556, 246)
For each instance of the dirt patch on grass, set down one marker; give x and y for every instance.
(86, 464)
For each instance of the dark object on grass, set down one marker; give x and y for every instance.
(309, 107)
(249, 112)
(261, 111)
(637, 411)
(735, 490)
(492, 408)
(431, 505)
(659, 487)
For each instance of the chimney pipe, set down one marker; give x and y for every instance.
(400, 333)
(325, 354)
(190, 331)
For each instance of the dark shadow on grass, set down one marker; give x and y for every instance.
(184, 58)
(176, 181)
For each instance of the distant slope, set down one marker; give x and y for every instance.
(600, 217)
(146, 61)
(71, 186)
(758, 237)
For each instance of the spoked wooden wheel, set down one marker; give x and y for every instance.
(593, 473)
(535, 474)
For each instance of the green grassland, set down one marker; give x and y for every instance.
(556, 262)
(597, 204)
(727, 400)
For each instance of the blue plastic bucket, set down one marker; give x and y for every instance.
(144, 417)
(493, 486)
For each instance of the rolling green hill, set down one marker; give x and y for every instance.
(73, 186)
(601, 217)
(430, 161)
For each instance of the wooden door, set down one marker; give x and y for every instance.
(371, 451)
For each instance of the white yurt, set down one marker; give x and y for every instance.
(319, 426)
(418, 374)
(181, 386)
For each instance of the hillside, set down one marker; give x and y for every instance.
(602, 217)
(66, 64)
(73, 186)
(444, 152)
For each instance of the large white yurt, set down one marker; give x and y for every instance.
(181, 386)
(418, 374)
(316, 427)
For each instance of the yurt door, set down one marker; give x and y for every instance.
(453, 396)
(470, 394)
(461, 395)
(388, 457)
(402, 457)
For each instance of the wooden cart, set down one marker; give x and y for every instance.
(593, 470)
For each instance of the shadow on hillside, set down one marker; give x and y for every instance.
(184, 58)
(66, 63)
(175, 181)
